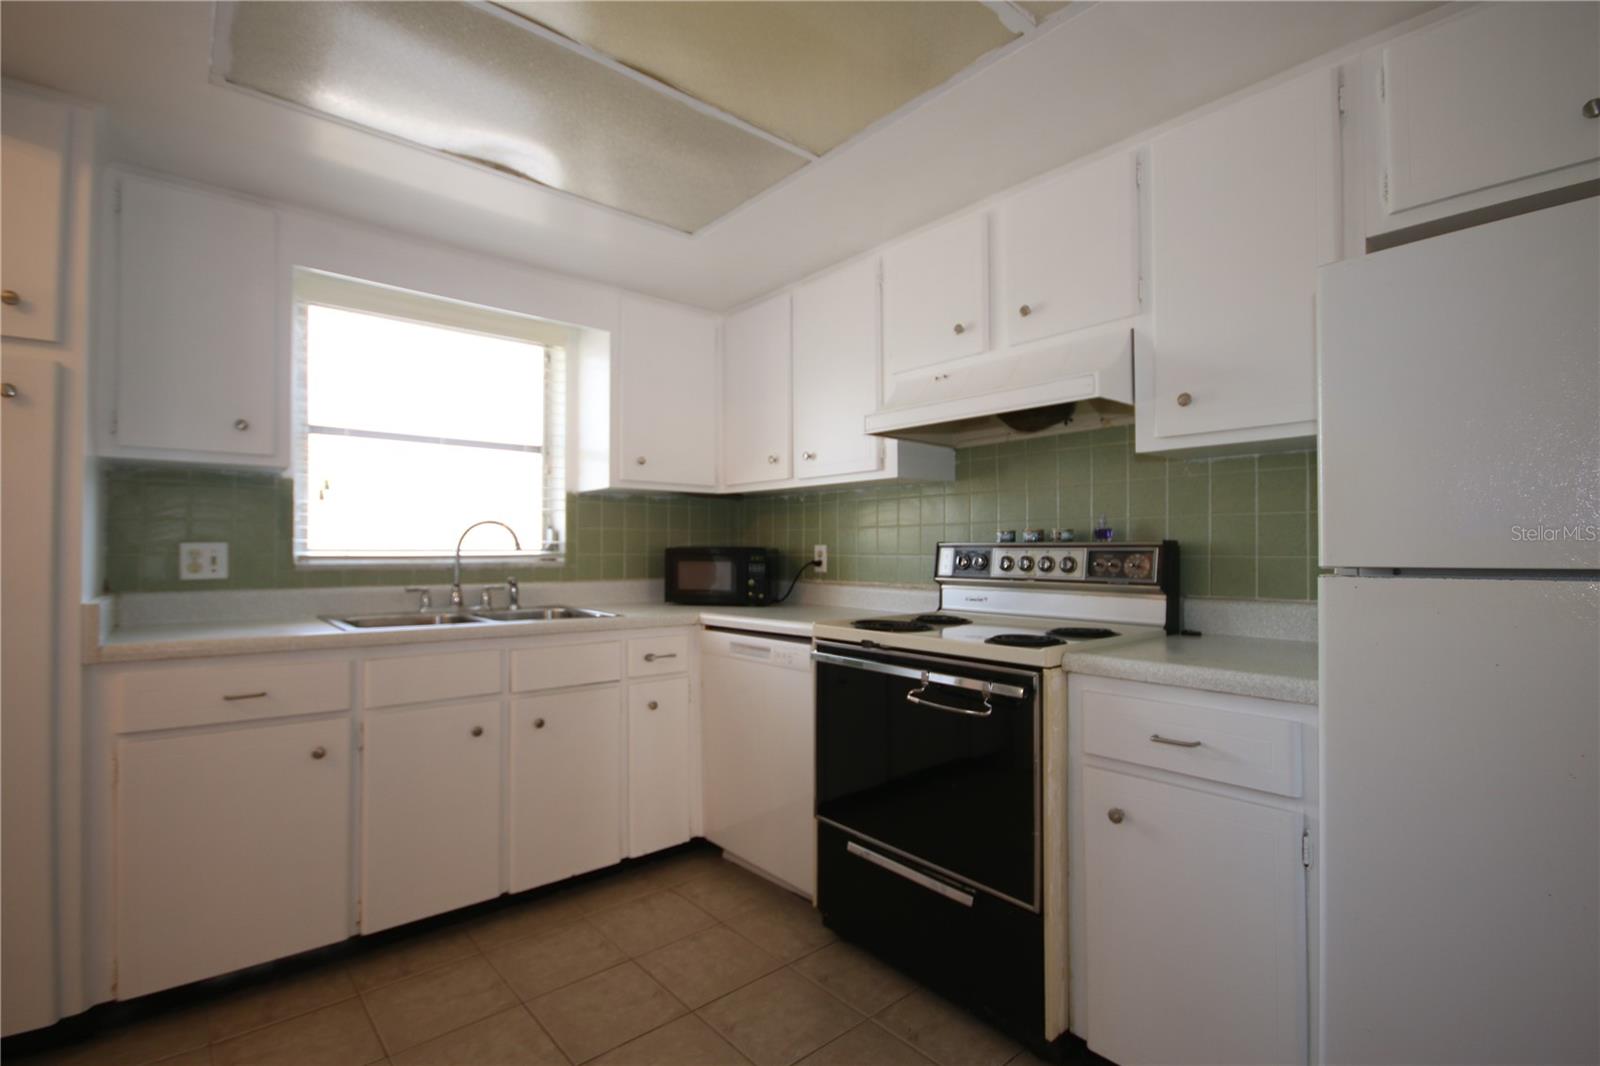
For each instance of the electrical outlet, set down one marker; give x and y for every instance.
(203, 561)
(819, 555)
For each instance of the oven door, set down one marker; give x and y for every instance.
(934, 760)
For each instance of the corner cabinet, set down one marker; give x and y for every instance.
(1245, 205)
(665, 380)
(755, 394)
(197, 361)
(836, 373)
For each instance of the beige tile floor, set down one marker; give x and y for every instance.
(686, 961)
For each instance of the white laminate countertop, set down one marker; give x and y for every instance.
(194, 640)
(1242, 666)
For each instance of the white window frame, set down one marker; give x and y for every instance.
(351, 294)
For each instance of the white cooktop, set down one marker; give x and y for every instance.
(969, 640)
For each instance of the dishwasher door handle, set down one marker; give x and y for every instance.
(916, 877)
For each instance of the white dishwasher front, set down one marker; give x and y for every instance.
(759, 749)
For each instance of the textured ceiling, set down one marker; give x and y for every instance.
(813, 73)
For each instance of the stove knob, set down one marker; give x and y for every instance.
(1025, 564)
(1068, 564)
(980, 561)
(1046, 564)
(963, 561)
(1006, 562)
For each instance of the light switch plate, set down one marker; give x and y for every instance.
(203, 561)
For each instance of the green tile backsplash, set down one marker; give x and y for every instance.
(1247, 524)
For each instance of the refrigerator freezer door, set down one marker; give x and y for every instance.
(1460, 399)
(1461, 820)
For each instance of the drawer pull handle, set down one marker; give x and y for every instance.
(231, 697)
(651, 656)
(915, 876)
(319, 752)
(1159, 739)
(1115, 815)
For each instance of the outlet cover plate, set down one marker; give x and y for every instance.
(203, 561)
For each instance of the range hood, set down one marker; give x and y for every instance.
(1086, 379)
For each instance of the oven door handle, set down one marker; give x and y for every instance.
(927, 677)
(915, 876)
(915, 696)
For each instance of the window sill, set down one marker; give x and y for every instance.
(414, 562)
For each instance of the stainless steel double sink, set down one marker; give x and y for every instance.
(410, 619)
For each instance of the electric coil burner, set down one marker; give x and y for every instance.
(1024, 640)
(892, 625)
(941, 762)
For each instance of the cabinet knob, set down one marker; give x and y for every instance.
(9, 391)
(961, 327)
(11, 298)
(653, 705)
(1184, 399)
(1591, 109)
(808, 455)
(639, 461)
(1024, 310)
(773, 459)
(241, 424)
(477, 730)
(1116, 815)
(538, 723)
(319, 752)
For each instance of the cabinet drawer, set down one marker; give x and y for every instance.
(1187, 733)
(430, 678)
(658, 655)
(234, 692)
(565, 665)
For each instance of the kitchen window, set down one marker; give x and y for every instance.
(418, 416)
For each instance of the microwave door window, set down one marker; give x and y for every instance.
(706, 575)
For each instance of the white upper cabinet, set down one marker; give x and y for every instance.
(755, 394)
(936, 295)
(1245, 207)
(665, 377)
(1072, 250)
(34, 173)
(836, 372)
(1492, 96)
(197, 363)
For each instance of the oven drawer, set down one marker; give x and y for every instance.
(1201, 734)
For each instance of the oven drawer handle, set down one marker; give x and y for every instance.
(988, 688)
(916, 877)
(915, 696)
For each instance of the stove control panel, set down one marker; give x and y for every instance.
(1111, 564)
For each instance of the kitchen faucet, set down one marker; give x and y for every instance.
(455, 584)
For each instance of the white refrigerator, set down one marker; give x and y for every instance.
(1459, 461)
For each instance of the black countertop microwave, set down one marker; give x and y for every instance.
(721, 575)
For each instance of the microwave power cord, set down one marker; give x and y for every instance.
(792, 584)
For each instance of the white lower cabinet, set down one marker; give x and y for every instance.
(566, 784)
(430, 811)
(658, 764)
(1195, 925)
(232, 848)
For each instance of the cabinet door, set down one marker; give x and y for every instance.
(666, 381)
(1072, 251)
(755, 394)
(836, 372)
(1245, 208)
(566, 785)
(658, 765)
(197, 354)
(33, 214)
(1196, 925)
(936, 295)
(1492, 96)
(232, 848)
(430, 811)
